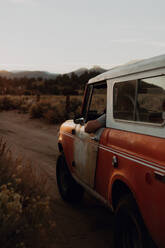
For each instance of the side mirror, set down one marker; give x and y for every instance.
(80, 121)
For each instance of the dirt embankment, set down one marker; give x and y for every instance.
(88, 225)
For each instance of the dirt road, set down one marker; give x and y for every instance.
(89, 225)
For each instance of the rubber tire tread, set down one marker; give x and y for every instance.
(128, 207)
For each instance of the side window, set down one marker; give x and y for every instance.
(98, 101)
(124, 100)
(151, 100)
(140, 100)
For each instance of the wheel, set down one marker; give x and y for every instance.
(130, 231)
(69, 189)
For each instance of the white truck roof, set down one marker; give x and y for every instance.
(157, 62)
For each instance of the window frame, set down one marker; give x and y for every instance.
(88, 98)
(135, 107)
(86, 102)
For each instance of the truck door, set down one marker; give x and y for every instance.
(85, 144)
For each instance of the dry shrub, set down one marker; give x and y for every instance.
(7, 103)
(24, 108)
(58, 112)
(75, 106)
(52, 113)
(51, 108)
(37, 110)
(25, 214)
(11, 103)
(52, 117)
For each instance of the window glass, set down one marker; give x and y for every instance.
(87, 100)
(98, 101)
(124, 100)
(151, 100)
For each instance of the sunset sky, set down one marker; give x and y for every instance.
(61, 36)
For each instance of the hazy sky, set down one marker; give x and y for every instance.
(63, 35)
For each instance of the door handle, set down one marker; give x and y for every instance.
(114, 161)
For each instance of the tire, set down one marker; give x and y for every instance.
(69, 189)
(130, 231)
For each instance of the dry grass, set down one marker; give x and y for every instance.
(25, 214)
(53, 109)
(98, 103)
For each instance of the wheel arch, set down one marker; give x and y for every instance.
(119, 190)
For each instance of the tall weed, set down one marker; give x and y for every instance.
(25, 214)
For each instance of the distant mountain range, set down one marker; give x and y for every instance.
(46, 75)
(28, 74)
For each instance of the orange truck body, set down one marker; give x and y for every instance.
(139, 150)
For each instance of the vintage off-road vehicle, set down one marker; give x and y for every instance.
(122, 164)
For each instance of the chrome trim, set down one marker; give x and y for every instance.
(141, 161)
(134, 159)
(129, 155)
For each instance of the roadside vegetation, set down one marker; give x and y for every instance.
(61, 85)
(52, 109)
(25, 213)
(53, 100)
